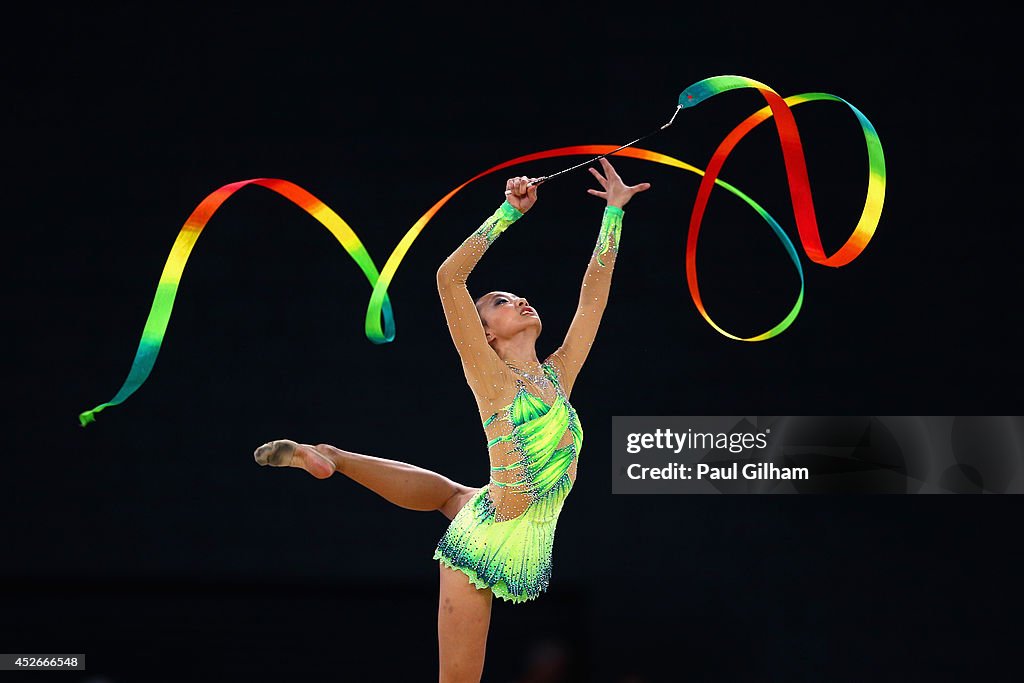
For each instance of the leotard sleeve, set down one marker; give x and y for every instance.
(484, 370)
(597, 282)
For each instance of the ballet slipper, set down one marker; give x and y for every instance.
(288, 453)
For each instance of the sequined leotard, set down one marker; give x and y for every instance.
(502, 538)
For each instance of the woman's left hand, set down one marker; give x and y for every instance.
(615, 191)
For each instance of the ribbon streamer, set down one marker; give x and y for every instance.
(380, 306)
(799, 185)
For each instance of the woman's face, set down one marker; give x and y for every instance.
(505, 315)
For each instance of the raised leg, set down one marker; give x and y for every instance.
(463, 619)
(405, 485)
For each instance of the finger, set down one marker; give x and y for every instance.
(641, 187)
(599, 177)
(608, 168)
(597, 193)
(531, 192)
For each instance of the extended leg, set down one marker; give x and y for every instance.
(463, 619)
(405, 485)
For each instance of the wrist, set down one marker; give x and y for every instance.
(510, 212)
(614, 209)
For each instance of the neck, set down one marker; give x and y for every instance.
(517, 350)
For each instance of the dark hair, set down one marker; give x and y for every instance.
(477, 304)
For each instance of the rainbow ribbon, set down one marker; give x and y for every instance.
(380, 306)
(799, 186)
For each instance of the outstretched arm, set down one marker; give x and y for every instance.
(482, 366)
(597, 281)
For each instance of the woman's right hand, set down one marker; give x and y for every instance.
(520, 194)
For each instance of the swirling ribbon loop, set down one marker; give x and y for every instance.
(380, 305)
(799, 185)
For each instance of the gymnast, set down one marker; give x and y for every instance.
(500, 538)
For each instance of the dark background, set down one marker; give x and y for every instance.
(151, 541)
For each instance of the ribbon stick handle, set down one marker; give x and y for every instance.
(545, 178)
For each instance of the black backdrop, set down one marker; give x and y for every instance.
(153, 543)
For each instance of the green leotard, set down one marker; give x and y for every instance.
(502, 538)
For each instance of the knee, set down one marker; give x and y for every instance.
(458, 677)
